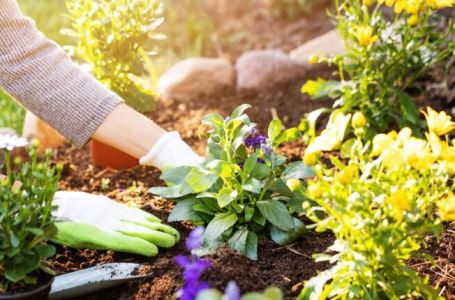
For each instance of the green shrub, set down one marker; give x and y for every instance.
(381, 199)
(384, 58)
(244, 190)
(116, 38)
(26, 221)
(12, 114)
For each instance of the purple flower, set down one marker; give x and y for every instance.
(232, 291)
(193, 267)
(195, 239)
(241, 165)
(258, 141)
(255, 141)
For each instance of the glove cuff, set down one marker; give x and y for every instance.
(170, 150)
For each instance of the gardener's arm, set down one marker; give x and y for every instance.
(40, 75)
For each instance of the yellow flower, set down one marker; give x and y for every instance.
(413, 20)
(446, 207)
(358, 120)
(439, 4)
(346, 175)
(313, 59)
(393, 158)
(380, 143)
(365, 36)
(315, 189)
(293, 184)
(400, 203)
(413, 6)
(368, 2)
(311, 158)
(439, 123)
(389, 3)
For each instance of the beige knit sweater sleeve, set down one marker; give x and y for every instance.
(40, 75)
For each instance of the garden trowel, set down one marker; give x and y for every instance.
(93, 279)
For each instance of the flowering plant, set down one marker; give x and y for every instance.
(379, 199)
(195, 288)
(242, 188)
(384, 58)
(26, 222)
(116, 39)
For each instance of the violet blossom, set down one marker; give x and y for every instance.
(258, 142)
(232, 291)
(193, 267)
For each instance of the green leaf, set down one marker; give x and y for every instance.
(183, 211)
(201, 180)
(210, 294)
(285, 238)
(20, 266)
(213, 120)
(175, 175)
(238, 240)
(277, 214)
(252, 246)
(260, 171)
(250, 163)
(279, 186)
(14, 240)
(320, 88)
(271, 293)
(240, 110)
(274, 130)
(45, 250)
(287, 136)
(297, 170)
(219, 225)
(226, 196)
(252, 185)
(196, 181)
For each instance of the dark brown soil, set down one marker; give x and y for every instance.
(284, 267)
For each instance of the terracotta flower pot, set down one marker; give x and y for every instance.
(40, 292)
(108, 157)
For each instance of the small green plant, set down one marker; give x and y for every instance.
(292, 8)
(26, 221)
(380, 200)
(12, 114)
(384, 59)
(117, 38)
(244, 188)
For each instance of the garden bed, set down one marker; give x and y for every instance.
(284, 267)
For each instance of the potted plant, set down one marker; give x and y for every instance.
(115, 39)
(26, 222)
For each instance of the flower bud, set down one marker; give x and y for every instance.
(313, 59)
(311, 158)
(293, 184)
(315, 190)
(413, 20)
(358, 120)
(35, 143)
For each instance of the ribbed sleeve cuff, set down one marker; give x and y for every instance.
(81, 136)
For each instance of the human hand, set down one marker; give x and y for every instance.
(97, 222)
(171, 151)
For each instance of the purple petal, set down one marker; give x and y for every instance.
(232, 291)
(182, 261)
(195, 238)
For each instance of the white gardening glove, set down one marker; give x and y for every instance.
(97, 222)
(171, 151)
